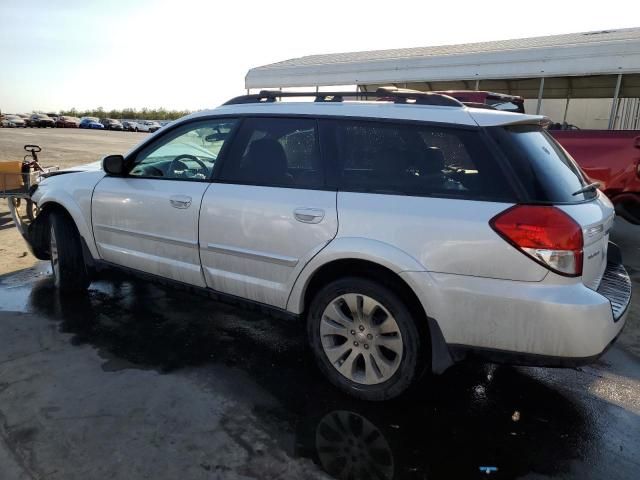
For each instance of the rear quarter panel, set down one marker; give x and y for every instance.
(442, 235)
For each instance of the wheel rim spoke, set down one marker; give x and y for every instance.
(354, 302)
(369, 307)
(334, 313)
(389, 325)
(392, 343)
(366, 348)
(370, 374)
(348, 363)
(336, 353)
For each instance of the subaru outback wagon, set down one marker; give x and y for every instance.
(407, 230)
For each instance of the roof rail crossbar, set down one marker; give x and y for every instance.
(392, 94)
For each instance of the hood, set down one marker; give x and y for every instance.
(87, 167)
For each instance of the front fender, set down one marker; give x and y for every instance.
(351, 248)
(73, 192)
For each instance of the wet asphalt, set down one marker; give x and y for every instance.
(137, 380)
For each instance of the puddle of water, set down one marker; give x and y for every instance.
(15, 288)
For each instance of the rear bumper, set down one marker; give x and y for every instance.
(525, 323)
(465, 352)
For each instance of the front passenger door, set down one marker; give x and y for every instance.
(148, 219)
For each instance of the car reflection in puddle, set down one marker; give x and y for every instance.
(449, 428)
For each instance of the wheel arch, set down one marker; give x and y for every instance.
(360, 251)
(39, 230)
(317, 274)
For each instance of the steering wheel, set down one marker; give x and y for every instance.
(174, 163)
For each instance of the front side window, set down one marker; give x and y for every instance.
(188, 153)
(413, 159)
(280, 152)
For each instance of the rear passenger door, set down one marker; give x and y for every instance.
(268, 212)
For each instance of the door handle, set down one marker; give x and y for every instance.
(308, 215)
(180, 201)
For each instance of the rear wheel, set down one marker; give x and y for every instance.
(65, 249)
(365, 339)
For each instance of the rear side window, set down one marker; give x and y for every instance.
(543, 168)
(412, 159)
(280, 152)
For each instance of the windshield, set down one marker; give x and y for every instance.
(189, 153)
(545, 170)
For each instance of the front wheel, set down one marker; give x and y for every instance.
(65, 249)
(365, 339)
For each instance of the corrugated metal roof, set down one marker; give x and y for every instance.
(564, 40)
(614, 49)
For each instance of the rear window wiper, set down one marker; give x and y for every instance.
(587, 188)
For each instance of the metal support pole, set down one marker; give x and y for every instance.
(539, 106)
(566, 110)
(614, 103)
(477, 84)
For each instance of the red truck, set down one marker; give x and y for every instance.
(611, 157)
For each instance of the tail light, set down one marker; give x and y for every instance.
(546, 234)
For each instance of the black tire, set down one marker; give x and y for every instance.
(414, 360)
(32, 210)
(69, 270)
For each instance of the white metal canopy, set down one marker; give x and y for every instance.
(588, 56)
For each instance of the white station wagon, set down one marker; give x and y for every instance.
(407, 230)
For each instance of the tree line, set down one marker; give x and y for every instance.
(128, 113)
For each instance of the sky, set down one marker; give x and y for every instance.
(191, 54)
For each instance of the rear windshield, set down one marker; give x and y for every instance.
(543, 168)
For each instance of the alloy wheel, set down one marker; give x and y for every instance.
(361, 339)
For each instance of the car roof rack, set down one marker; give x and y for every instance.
(391, 94)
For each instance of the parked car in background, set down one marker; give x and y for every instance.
(462, 232)
(111, 124)
(41, 120)
(149, 126)
(67, 122)
(13, 121)
(91, 122)
(130, 126)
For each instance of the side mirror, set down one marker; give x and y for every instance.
(113, 165)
